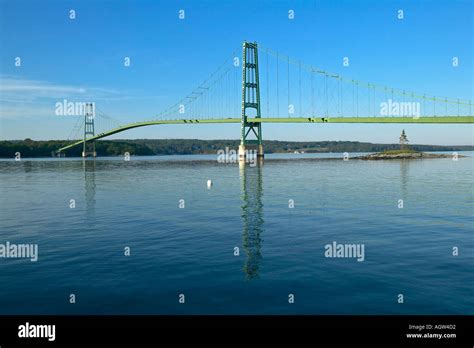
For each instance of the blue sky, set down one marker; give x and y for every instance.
(82, 59)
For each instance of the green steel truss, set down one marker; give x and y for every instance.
(250, 94)
(89, 131)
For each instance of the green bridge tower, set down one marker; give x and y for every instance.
(250, 100)
(89, 115)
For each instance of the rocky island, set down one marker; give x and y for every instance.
(406, 154)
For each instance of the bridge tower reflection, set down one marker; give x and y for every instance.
(89, 167)
(252, 216)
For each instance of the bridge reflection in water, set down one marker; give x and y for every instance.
(89, 167)
(252, 216)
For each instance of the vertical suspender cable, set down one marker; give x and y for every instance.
(289, 101)
(353, 99)
(357, 99)
(368, 98)
(278, 86)
(268, 83)
(300, 111)
(312, 92)
(327, 97)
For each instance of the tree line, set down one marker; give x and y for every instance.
(151, 147)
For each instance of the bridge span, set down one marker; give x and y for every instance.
(326, 98)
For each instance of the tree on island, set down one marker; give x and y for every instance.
(403, 140)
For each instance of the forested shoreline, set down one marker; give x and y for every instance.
(150, 147)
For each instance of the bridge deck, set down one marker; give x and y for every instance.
(423, 120)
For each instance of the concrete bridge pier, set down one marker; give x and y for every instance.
(242, 153)
(85, 154)
(260, 151)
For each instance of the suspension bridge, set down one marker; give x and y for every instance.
(293, 92)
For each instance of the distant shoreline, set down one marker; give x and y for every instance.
(155, 147)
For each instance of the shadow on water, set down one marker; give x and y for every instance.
(252, 217)
(89, 167)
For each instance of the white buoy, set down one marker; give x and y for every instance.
(209, 183)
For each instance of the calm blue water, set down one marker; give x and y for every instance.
(191, 251)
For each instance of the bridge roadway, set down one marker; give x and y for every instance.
(421, 119)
